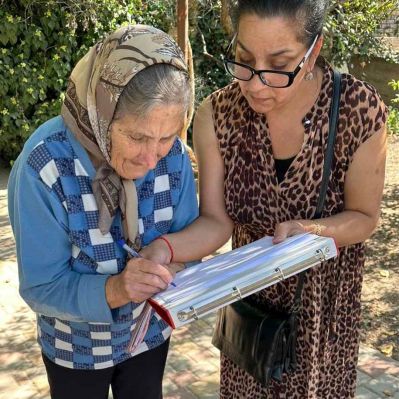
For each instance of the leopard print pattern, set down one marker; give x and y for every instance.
(329, 322)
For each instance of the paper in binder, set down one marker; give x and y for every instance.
(224, 279)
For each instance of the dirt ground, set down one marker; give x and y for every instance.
(380, 299)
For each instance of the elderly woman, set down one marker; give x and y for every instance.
(110, 167)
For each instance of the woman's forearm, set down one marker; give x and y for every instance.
(205, 235)
(347, 228)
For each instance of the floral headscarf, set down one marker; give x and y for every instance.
(94, 88)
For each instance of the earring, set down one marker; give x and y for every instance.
(309, 76)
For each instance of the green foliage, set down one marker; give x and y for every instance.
(41, 41)
(208, 41)
(352, 27)
(393, 118)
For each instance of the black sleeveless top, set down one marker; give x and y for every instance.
(282, 166)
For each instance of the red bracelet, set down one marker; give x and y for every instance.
(169, 246)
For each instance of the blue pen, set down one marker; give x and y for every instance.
(132, 252)
(129, 250)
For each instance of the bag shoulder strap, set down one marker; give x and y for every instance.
(328, 158)
(332, 133)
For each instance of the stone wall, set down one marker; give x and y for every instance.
(389, 30)
(390, 27)
(378, 72)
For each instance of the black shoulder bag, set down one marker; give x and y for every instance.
(263, 342)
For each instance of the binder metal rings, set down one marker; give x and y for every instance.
(194, 311)
(191, 314)
(320, 255)
(236, 292)
(182, 316)
(281, 274)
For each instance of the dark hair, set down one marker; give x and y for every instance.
(158, 84)
(309, 14)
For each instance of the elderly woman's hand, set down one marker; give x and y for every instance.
(140, 280)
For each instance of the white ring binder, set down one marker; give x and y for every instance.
(217, 282)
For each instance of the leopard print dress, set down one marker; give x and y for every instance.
(329, 322)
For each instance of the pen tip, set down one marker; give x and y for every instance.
(121, 242)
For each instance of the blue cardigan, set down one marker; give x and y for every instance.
(64, 260)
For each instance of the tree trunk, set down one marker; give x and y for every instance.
(182, 41)
(182, 26)
(225, 18)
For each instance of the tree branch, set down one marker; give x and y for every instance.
(205, 51)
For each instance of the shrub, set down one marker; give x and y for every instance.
(208, 40)
(40, 42)
(352, 28)
(393, 118)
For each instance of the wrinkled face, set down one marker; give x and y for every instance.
(270, 43)
(138, 143)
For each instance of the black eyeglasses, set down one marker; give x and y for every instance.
(276, 79)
